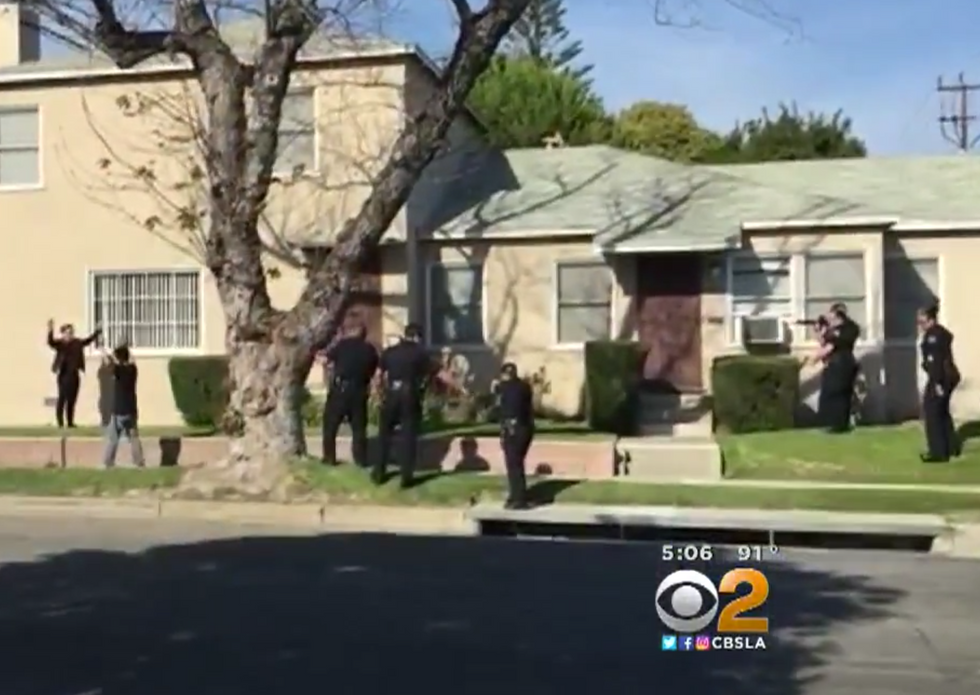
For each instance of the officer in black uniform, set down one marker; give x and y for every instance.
(406, 367)
(353, 361)
(840, 371)
(942, 379)
(516, 432)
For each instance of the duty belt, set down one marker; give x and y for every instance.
(509, 425)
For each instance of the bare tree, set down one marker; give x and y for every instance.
(270, 350)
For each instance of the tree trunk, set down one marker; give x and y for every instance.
(267, 380)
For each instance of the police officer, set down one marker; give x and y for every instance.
(942, 378)
(516, 432)
(840, 370)
(406, 368)
(353, 361)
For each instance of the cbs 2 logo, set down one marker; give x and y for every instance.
(687, 601)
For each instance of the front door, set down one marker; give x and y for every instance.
(668, 306)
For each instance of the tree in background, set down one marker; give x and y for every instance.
(522, 101)
(789, 136)
(669, 131)
(270, 350)
(541, 34)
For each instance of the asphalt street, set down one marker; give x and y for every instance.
(163, 607)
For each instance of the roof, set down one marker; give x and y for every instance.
(632, 202)
(244, 37)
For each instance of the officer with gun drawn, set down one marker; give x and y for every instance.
(516, 431)
(837, 334)
(406, 368)
(942, 378)
(353, 361)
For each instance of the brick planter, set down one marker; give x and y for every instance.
(573, 458)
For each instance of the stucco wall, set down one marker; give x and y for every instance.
(519, 296)
(89, 215)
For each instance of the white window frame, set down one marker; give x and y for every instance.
(315, 116)
(92, 274)
(556, 343)
(809, 341)
(940, 290)
(39, 184)
(767, 261)
(478, 266)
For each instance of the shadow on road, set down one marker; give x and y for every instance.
(387, 614)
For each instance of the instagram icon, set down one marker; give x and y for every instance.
(702, 643)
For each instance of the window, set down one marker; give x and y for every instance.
(583, 302)
(910, 284)
(455, 304)
(19, 147)
(761, 286)
(150, 310)
(297, 133)
(834, 278)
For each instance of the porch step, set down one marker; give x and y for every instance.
(657, 410)
(674, 458)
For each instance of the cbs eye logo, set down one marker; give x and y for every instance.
(687, 601)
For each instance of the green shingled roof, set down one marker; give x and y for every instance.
(631, 201)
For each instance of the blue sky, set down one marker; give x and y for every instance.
(876, 60)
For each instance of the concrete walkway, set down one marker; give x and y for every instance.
(827, 485)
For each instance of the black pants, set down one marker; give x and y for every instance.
(941, 438)
(400, 409)
(68, 386)
(837, 396)
(516, 440)
(345, 401)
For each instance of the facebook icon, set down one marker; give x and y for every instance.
(687, 644)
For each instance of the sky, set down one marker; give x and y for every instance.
(876, 60)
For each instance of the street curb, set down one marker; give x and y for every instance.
(330, 518)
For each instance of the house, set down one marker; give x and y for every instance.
(520, 255)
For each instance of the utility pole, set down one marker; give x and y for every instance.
(954, 123)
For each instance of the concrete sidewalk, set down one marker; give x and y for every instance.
(827, 485)
(950, 537)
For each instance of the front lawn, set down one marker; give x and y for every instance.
(885, 454)
(348, 485)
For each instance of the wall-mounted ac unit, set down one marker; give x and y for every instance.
(763, 330)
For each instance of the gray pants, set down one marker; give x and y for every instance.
(122, 426)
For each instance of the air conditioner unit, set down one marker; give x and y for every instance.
(763, 330)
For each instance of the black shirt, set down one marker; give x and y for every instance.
(124, 389)
(69, 355)
(354, 360)
(937, 356)
(843, 338)
(407, 362)
(516, 401)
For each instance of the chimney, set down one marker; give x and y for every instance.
(20, 33)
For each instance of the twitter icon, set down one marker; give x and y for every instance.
(668, 643)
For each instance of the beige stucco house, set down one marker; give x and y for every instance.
(520, 255)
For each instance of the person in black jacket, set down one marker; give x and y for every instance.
(516, 401)
(353, 362)
(840, 370)
(942, 378)
(68, 365)
(406, 368)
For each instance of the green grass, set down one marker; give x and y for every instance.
(546, 429)
(48, 482)
(888, 454)
(348, 485)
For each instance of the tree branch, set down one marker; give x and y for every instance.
(126, 48)
(328, 292)
(463, 10)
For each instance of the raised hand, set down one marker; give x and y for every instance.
(51, 324)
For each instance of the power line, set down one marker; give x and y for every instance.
(954, 123)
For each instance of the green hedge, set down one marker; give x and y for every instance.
(755, 394)
(612, 370)
(200, 389)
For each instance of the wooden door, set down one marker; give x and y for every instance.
(668, 306)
